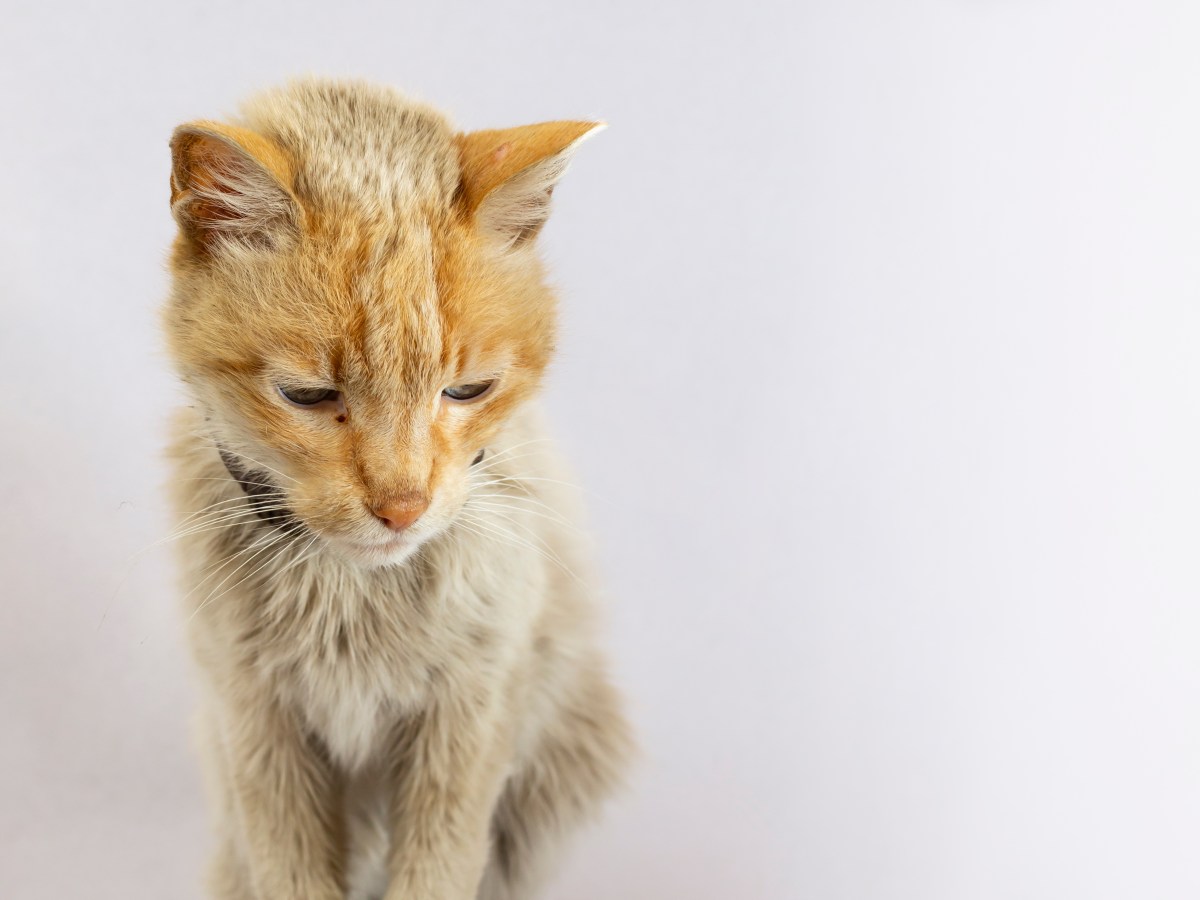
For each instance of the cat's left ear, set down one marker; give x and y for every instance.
(229, 186)
(509, 174)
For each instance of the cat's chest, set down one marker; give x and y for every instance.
(351, 708)
(351, 676)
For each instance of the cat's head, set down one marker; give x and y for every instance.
(357, 305)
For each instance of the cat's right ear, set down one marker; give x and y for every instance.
(508, 176)
(231, 186)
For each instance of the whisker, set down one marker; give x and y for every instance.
(228, 518)
(302, 558)
(496, 530)
(223, 501)
(273, 542)
(247, 458)
(271, 559)
(557, 515)
(509, 512)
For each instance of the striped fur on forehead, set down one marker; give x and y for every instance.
(399, 334)
(360, 147)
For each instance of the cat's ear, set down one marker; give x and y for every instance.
(508, 175)
(230, 185)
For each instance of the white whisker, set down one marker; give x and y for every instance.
(261, 547)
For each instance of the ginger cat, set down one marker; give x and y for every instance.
(402, 695)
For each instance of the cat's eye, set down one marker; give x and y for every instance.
(472, 391)
(304, 396)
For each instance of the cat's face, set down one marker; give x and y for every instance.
(358, 363)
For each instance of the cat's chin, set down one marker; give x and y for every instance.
(375, 556)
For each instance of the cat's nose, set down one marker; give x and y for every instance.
(399, 513)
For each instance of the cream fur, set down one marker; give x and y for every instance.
(429, 717)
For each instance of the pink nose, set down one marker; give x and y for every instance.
(401, 512)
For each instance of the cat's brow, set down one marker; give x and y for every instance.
(399, 330)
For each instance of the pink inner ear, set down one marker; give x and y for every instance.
(224, 192)
(214, 172)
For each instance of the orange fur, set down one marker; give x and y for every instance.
(490, 158)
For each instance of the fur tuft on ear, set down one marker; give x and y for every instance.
(231, 185)
(509, 175)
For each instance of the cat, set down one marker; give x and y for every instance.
(386, 598)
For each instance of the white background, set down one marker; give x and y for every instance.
(880, 364)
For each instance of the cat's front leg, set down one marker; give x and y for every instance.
(285, 801)
(454, 763)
